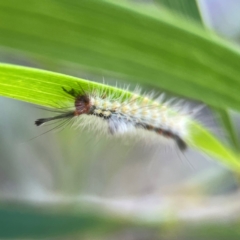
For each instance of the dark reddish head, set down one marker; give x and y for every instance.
(82, 104)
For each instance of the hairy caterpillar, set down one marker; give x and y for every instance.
(125, 115)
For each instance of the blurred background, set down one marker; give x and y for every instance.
(126, 174)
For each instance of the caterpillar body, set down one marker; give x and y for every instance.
(125, 115)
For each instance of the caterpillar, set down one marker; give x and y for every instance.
(127, 114)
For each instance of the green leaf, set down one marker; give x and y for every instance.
(41, 87)
(226, 121)
(45, 88)
(163, 52)
(188, 8)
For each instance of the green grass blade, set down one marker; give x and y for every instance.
(228, 124)
(188, 8)
(141, 46)
(45, 88)
(41, 87)
(191, 11)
